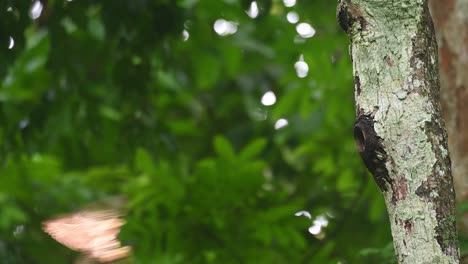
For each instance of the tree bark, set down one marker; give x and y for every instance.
(451, 26)
(399, 129)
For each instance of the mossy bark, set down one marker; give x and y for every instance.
(399, 129)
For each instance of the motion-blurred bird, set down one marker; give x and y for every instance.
(92, 232)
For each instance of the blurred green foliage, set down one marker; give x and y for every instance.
(101, 98)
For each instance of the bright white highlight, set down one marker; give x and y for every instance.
(280, 124)
(185, 35)
(305, 30)
(289, 3)
(223, 27)
(253, 10)
(302, 68)
(292, 17)
(319, 222)
(36, 10)
(303, 213)
(269, 98)
(11, 44)
(315, 229)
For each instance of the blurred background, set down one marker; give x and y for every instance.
(218, 120)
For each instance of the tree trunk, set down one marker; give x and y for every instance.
(451, 25)
(399, 130)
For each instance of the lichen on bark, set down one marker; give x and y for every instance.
(394, 55)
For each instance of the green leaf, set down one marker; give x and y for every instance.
(253, 149)
(207, 71)
(44, 168)
(28, 78)
(144, 161)
(167, 80)
(96, 28)
(223, 148)
(109, 113)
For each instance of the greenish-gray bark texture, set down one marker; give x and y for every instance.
(399, 129)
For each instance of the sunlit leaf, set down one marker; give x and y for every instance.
(253, 149)
(223, 148)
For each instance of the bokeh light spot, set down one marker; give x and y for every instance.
(303, 213)
(289, 3)
(11, 43)
(292, 17)
(253, 10)
(36, 9)
(305, 30)
(185, 35)
(223, 27)
(269, 98)
(302, 68)
(280, 123)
